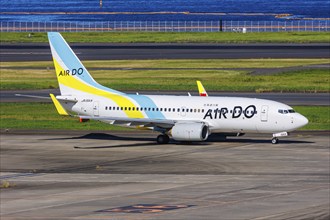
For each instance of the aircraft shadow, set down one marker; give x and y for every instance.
(102, 136)
(220, 138)
(116, 146)
(212, 138)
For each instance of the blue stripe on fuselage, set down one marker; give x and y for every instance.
(145, 101)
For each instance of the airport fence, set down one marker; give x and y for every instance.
(168, 26)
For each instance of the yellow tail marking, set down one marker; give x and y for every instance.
(201, 89)
(58, 106)
(74, 83)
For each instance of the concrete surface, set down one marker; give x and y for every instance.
(77, 175)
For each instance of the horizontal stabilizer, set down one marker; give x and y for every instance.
(58, 106)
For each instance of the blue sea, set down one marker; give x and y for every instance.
(162, 10)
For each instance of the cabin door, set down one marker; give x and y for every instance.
(96, 108)
(264, 113)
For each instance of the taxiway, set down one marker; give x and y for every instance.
(125, 175)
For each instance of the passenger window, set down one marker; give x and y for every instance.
(149, 109)
(106, 107)
(153, 109)
(164, 109)
(129, 108)
(118, 108)
(178, 110)
(202, 110)
(173, 109)
(133, 109)
(121, 108)
(161, 109)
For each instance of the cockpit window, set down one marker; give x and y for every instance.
(286, 111)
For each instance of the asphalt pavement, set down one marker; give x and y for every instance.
(105, 51)
(125, 175)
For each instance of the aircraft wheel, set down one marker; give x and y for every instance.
(274, 140)
(163, 139)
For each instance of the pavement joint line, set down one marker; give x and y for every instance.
(256, 198)
(90, 200)
(284, 213)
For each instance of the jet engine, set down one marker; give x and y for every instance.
(190, 132)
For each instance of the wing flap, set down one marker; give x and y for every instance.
(145, 122)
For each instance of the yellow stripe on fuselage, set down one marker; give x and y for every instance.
(76, 84)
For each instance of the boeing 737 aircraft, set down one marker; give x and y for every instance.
(184, 118)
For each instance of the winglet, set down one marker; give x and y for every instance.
(201, 90)
(58, 106)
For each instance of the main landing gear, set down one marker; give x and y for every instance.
(163, 139)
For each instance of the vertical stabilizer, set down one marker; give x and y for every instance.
(73, 78)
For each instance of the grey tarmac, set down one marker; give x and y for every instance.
(105, 51)
(82, 175)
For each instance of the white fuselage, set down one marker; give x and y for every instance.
(221, 114)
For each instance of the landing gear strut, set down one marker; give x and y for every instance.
(276, 135)
(163, 139)
(274, 140)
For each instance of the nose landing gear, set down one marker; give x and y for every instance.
(274, 140)
(275, 136)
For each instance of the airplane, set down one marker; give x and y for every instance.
(183, 118)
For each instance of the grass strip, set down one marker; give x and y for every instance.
(172, 37)
(44, 116)
(40, 75)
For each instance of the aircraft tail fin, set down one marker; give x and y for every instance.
(201, 90)
(72, 76)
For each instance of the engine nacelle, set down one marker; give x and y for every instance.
(190, 132)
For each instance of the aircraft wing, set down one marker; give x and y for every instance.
(139, 122)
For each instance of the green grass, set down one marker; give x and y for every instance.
(159, 37)
(318, 116)
(44, 116)
(40, 75)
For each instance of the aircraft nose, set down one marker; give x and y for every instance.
(301, 121)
